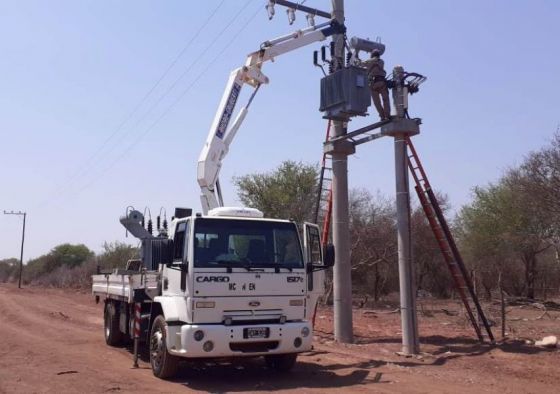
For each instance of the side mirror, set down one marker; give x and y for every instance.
(328, 256)
(309, 267)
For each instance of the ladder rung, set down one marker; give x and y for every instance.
(431, 215)
(439, 234)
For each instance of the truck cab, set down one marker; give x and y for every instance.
(230, 284)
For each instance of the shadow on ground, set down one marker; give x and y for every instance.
(246, 374)
(252, 373)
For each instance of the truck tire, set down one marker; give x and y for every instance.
(164, 365)
(113, 335)
(281, 362)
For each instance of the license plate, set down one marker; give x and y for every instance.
(256, 332)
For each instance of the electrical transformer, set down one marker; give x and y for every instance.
(156, 251)
(345, 93)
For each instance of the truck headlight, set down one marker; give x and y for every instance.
(205, 304)
(208, 346)
(305, 332)
(296, 302)
(198, 335)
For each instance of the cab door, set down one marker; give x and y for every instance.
(175, 278)
(313, 253)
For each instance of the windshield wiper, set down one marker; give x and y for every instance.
(278, 268)
(223, 261)
(252, 269)
(237, 264)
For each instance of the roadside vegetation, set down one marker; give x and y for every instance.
(67, 265)
(509, 234)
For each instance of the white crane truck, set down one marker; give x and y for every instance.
(228, 282)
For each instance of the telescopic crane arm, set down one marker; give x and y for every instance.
(221, 134)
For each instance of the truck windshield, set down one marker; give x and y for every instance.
(246, 243)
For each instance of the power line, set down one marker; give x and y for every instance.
(170, 107)
(90, 161)
(175, 82)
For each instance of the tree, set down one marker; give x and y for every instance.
(116, 254)
(503, 224)
(67, 255)
(541, 180)
(432, 273)
(541, 171)
(535, 225)
(288, 192)
(374, 244)
(8, 269)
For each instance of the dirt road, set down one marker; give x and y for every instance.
(51, 341)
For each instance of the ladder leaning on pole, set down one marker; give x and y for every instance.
(446, 243)
(323, 205)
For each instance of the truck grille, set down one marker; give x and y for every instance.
(253, 347)
(235, 322)
(258, 316)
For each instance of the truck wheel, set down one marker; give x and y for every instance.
(164, 365)
(113, 335)
(281, 362)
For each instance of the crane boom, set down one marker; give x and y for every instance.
(221, 134)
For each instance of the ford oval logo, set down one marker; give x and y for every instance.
(254, 303)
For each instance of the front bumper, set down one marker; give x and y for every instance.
(229, 341)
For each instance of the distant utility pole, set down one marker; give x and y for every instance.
(341, 232)
(24, 214)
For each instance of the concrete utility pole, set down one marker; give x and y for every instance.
(341, 233)
(406, 271)
(399, 128)
(19, 213)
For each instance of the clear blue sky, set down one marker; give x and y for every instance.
(72, 71)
